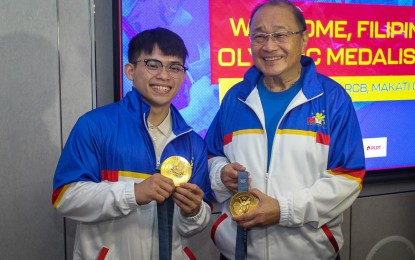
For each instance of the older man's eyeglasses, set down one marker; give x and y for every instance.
(155, 66)
(279, 37)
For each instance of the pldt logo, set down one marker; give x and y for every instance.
(373, 147)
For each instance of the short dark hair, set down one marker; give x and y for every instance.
(170, 44)
(296, 11)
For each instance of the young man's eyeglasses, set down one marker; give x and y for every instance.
(155, 66)
(280, 37)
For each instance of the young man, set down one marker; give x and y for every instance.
(299, 139)
(107, 178)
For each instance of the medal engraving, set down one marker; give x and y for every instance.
(242, 202)
(176, 168)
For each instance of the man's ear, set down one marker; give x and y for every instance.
(304, 42)
(129, 70)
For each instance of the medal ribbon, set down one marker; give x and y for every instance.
(165, 212)
(241, 233)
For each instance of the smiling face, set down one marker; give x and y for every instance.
(278, 60)
(157, 88)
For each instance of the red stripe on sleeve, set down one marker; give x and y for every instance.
(331, 237)
(109, 175)
(55, 194)
(215, 226)
(322, 138)
(355, 173)
(227, 139)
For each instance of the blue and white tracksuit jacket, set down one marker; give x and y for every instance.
(315, 172)
(109, 149)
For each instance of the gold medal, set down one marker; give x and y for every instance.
(242, 202)
(176, 168)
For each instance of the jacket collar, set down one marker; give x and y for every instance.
(139, 110)
(311, 84)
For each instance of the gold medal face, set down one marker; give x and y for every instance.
(176, 168)
(242, 202)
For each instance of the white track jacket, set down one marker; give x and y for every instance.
(316, 167)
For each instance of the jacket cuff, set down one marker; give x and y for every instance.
(195, 218)
(129, 194)
(283, 211)
(218, 180)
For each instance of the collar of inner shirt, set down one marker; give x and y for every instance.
(165, 126)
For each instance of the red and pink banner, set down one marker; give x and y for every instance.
(347, 41)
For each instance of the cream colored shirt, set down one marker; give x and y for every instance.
(159, 135)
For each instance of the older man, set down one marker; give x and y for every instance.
(296, 132)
